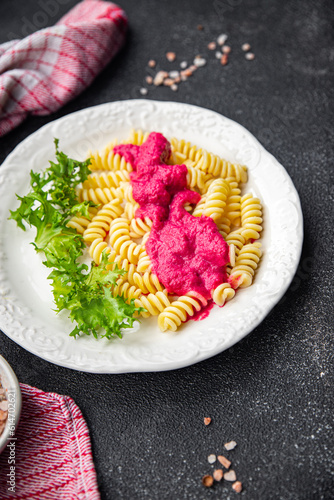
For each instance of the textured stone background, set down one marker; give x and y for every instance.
(272, 392)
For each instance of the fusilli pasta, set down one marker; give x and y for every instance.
(114, 228)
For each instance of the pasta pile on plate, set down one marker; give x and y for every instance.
(114, 228)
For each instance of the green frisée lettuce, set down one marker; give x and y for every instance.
(85, 292)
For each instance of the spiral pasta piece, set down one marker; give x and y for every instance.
(242, 273)
(187, 149)
(196, 178)
(119, 238)
(179, 311)
(130, 210)
(139, 227)
(137, 137)
(222, 294)
(99, 161)
(218, 167)
(251, 217)
(116, 261)
(154, 303)
(148, 283)
(237, 239)
(99, 226)
(100, 195)
(198, 210)
(125, 290)
(233, 204)
(224, 226)
(215, 201)
(96, 248)
(108, 160)
(106, 179)
(80, 222)
(144, 263)
(127, 190)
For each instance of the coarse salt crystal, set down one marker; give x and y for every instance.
(143, 91)
(199, 62)
(237, 486)
(230, 475)
(245, 47)
(212, 45)
(226, 49)
(174, 87)
(159, 78)
(174, 74)
(230, 446)
(218, 54)
(183, 64)
(223, 460)
(171, 56)
(152, 63)
(207, 420)
(224, 59)
(212, 458)
(250, 56)
(218, 474)
(149, 80)
(222, 39)
(168, 82)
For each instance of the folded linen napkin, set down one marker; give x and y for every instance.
(52, 453)
(45, 70)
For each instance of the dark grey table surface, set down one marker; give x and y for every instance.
(273, 392)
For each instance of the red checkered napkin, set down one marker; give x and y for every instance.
(53, 458)
(42, 72)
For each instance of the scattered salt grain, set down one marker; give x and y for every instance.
(212, 458)
(245, 47)
(237, 486)
(199, 62)
(143, 91)
(149, 80)
(224, 59)
(174, 74)
(230, 475)
(168, 82)
(218, 474)
(212, 45)
(250, 56)
(207, 420)
(171, 56)
(174, 87)
(222, 39)
(226, 49)
(223, 460)
(207, 481)
(218, 54)
(152, 63)
(230, 446)
(183, 64)
(159, 77)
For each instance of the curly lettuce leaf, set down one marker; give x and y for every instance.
(85, 292)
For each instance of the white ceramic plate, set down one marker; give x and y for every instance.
(26, 314)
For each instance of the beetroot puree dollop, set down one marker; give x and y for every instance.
(187, 253)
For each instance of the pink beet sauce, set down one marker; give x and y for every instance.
(187, 253)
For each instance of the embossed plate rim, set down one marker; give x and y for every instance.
(44, 335)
